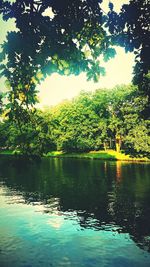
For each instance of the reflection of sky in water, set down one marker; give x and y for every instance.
(43, 235)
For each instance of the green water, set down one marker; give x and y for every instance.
(71, 212)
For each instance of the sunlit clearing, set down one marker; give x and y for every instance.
(57, 88)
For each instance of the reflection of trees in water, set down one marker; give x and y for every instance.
(100, 194)
(118, 171)
(133, 217)
(126, 208)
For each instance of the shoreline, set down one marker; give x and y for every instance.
(99, 155)
(111, 155)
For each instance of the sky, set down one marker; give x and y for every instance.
(57, 88)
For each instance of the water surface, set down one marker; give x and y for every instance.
(71, 212)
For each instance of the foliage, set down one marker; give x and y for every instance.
(67, 41)
(105, 119)
(30, 138)
(130, 29)
(3, 134)
(68, 38)
(94, 121)
(80, 128)
(1, 102)
(138, 139)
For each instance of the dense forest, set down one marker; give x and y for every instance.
(100, 120)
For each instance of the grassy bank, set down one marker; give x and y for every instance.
(10, 152)
(7, 152)
(102, 155)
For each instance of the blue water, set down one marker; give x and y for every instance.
(68, 212)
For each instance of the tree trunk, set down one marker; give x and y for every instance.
(118, 143)
(105, 146)
(110, 142)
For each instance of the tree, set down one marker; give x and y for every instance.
(1, 103)
(28, 138)
(3, 135)
(73, 130)
(69, 41)
(77, 126)
(92, 121)
(138, 139)
(130, 29)
(100, 103)
(118, 98)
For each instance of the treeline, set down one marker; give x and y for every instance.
(104, 119)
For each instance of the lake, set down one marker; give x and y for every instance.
(74, 212)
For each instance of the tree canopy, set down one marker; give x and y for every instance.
(92, 121)
(68, 42)
(69, 37)
(131, 29)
